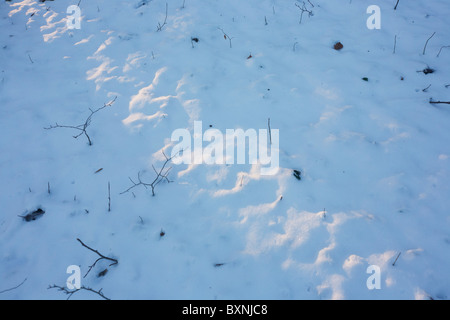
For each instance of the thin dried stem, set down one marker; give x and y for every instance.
(71, 292)
(109, 197)
(437, 56)
(425, 47)
(439, 102)
(13, 288)
(160, 26)
(225, 36)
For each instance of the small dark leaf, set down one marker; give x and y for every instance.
(102, 273)
(33, 215)
(297, 174)
(338, 46)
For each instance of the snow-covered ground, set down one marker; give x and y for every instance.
(373, 153)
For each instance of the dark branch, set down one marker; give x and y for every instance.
(115, 261)
(83, 127)
(425, 47)
(6, 290)
(160, 26)
(160, 175)
(438, 102)
(303, 9)
(437, 56)
(225, 36)
(71, 292)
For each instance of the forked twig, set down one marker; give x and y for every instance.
(303, 10)
(225, 36)
(160, 26)
(115, 261)
(160, 176)
(83, 127)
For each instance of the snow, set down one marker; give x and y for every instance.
(373, 155)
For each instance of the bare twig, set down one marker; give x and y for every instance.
(426, 89)
(396, 258)
(395, 8)
(427, 43)
(303, 9)
(441, 50)
(160, 176)
(115, 261)
(71, 292)
(225, 36)
(438, 102)
(83, 127)
(160, 26)
(29, 57)
(13, 288)
(270, 132)
(109, 197)
(395, 43)
(48, 187)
